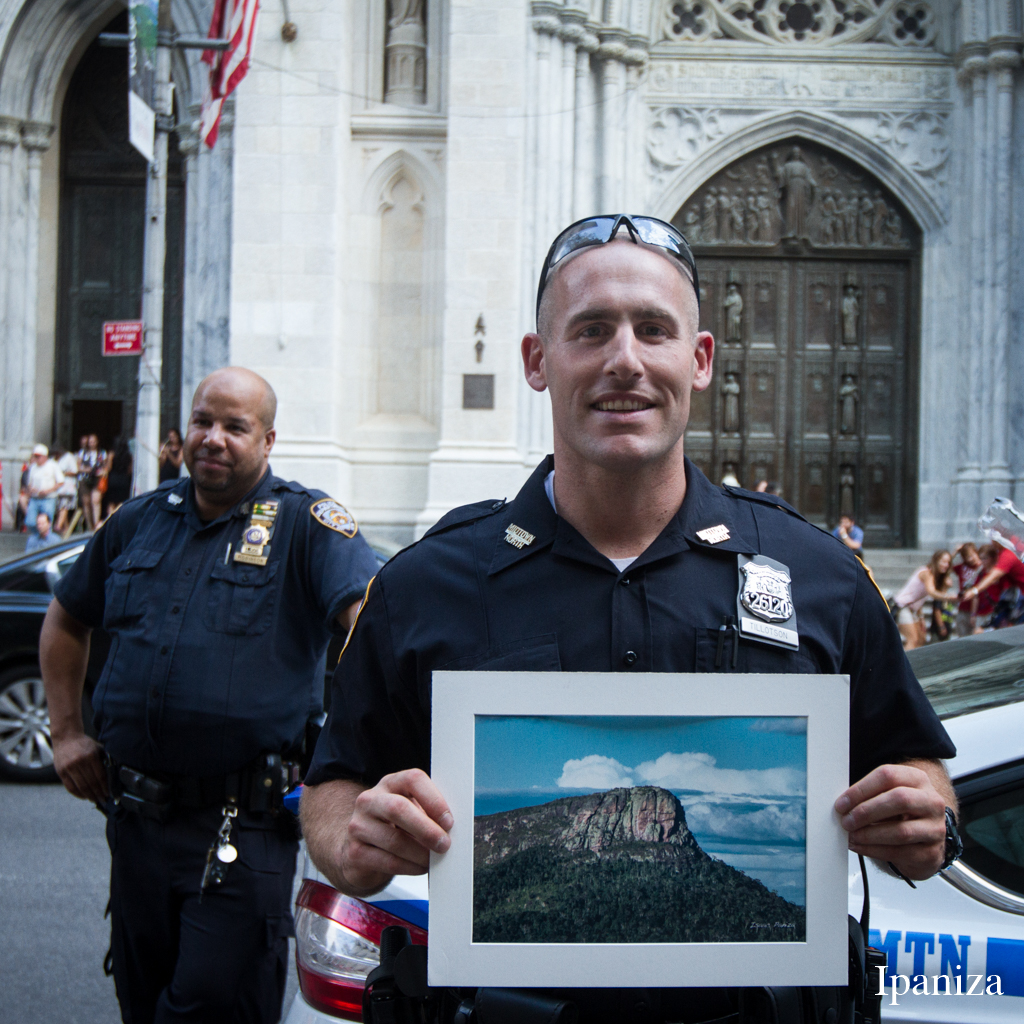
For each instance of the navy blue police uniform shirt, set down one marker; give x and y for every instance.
(212, 661)
(464, 598)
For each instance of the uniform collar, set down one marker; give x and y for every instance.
(186, 490)
(704, 506)
(532, 513)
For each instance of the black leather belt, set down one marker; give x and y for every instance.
(259, 787)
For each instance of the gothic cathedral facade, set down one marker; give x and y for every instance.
(368, 231)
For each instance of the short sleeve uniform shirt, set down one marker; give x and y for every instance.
(466, 598)
(213, 661)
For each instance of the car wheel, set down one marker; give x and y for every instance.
(25, 751)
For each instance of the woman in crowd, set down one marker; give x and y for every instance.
(928, 581)
(119, 477)
(171, 453)
(92, 462)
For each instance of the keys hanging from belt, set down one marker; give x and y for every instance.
(221, 853)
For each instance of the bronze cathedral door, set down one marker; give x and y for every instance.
(808, 272)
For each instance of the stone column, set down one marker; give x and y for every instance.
(613, 88)
(571, 35)
(584, 200)
(10, 136)
(35, 138)
(1003, 61)
(973, 76)
(405, 53)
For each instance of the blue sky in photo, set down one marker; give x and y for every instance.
(742, 781)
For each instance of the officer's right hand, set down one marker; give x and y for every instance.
(78, 760)
(393, 828)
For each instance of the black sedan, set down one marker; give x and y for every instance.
(26, 588)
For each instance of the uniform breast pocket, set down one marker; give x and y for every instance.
(241, 599)
(749, 656)
(529, 654)
(127, 589)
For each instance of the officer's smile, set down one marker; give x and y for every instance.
(622, 405)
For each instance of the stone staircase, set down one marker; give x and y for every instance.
(892, 567)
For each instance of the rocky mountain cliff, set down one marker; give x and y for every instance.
(618, 866)
(595, 822)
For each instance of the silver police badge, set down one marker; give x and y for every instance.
(766, 592)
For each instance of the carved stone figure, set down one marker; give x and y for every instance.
(733, 303)
(736, 218)
(850, 218)
(709, 216)
(878, 224)
(798, 186)
(691, 226)
(724, 214)
(766, 216)
(851, 314)
(848, 393)
(751, 218)
(847, 481)
(893, 229)
(406, 54)
(731, 402)
(867, 217)
(829, 216)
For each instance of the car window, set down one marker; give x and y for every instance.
(31, 580)
(63, 564)
(972, 674)
(992, 825)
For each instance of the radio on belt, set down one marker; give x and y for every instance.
(764, 603)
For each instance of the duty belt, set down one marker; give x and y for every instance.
(259, 787)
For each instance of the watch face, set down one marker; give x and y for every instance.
(954, 844)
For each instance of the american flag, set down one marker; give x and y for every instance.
(227, 67)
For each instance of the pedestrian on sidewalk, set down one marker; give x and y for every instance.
(44, 480)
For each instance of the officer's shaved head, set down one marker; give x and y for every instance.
(243, 384)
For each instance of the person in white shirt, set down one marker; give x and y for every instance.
(44, 480)
(67, 493)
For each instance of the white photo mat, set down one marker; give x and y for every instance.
(458, 697)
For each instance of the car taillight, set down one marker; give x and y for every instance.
(337, 944)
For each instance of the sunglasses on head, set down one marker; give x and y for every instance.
(602, 229)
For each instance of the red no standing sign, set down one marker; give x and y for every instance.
(122, 338)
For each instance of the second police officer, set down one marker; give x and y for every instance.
(220, 594)
(617, 555)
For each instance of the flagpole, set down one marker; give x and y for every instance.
(147, 416)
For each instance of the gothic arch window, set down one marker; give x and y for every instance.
(809, 268)
(404, 349)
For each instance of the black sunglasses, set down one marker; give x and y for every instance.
(602, 229)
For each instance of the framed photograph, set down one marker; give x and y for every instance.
(648, 830)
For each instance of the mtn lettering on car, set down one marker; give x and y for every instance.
(764, 602)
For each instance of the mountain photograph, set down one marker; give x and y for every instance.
(623, 864)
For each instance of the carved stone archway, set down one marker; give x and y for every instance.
(809, 283)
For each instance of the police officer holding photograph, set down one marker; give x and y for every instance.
(220, 593)
(617, 555)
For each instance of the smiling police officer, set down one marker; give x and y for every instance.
(220, 594)
(616, 555)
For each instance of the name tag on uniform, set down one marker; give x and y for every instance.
(764, 603)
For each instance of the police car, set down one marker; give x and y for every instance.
(961, 933)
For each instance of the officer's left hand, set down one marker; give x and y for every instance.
(897, 813)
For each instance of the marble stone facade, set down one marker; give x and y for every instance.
(393, 176)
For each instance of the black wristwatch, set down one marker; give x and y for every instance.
(954, 844)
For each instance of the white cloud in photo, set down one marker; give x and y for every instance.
(689, 772)
(699, 772)
(783, 724)
(595, 771)
(768, 824)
